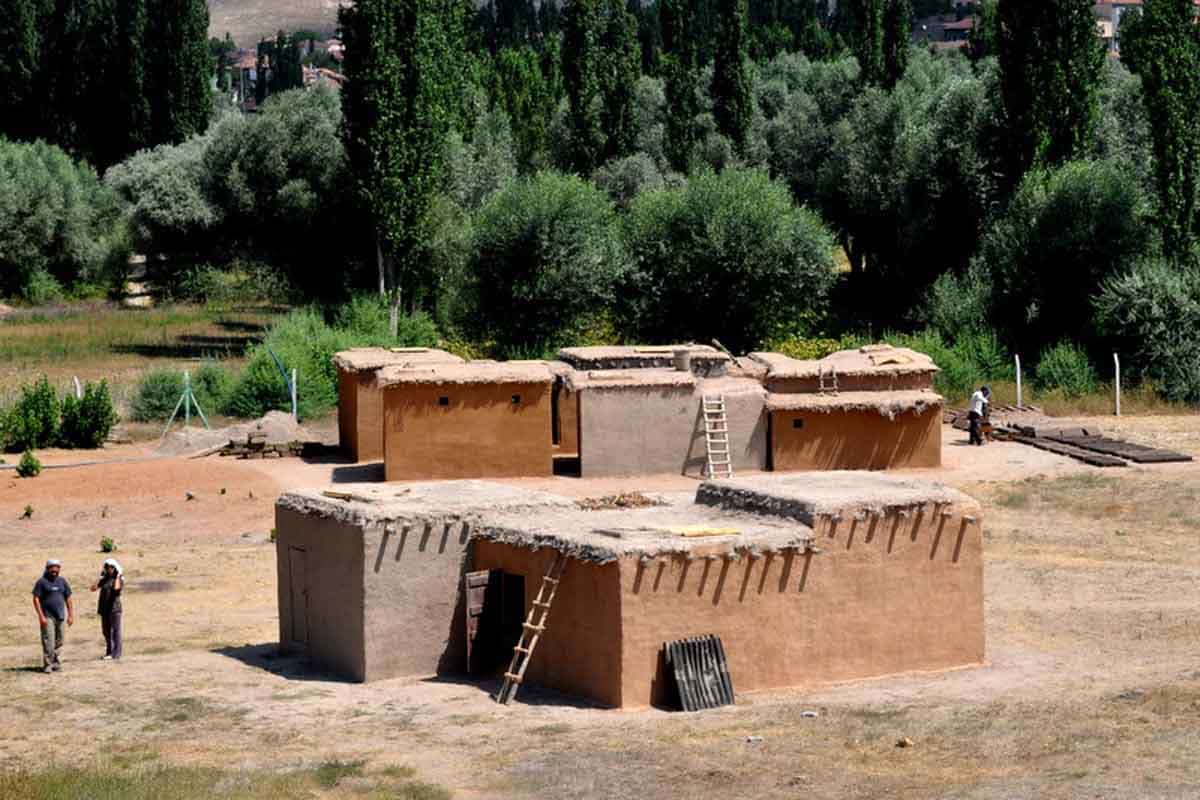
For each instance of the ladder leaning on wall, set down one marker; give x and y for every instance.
(716, 437)
(532, 629)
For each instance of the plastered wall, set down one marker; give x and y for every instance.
(360, 416)
(647, 430)
(479, 433)
(884, 595)
(853, 383)
(568, 423)
(580, 652)
(414, 620)
(331, 590)
(855, 440)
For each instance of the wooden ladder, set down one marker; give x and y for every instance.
(830, 386)
(716, 436)
(531, 629)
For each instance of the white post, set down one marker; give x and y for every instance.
(187, 399)
(78, 389)
(295, 416)
(1117, 381)
(1018, 359)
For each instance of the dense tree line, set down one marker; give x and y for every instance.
(1010, 196)
(104, 78)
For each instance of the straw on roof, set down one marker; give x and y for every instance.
(362, 359)
(622, 379)
(887, 404)
(865, 361)
(471, 372)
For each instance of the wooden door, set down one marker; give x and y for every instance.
(475, 588)
(298, 582)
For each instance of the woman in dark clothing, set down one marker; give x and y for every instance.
(112, 580)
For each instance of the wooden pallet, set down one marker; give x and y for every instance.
(1137, 453)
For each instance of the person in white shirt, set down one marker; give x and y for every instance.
(976, 412)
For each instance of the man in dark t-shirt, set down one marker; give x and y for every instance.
(52, 602)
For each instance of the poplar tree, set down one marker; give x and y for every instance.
(1162, 46)
(622, 53)
(178, 69)
(581, 69)
(21, 29)
(1050, 71)
(400, 102)
(732, 94)
(679, 80)
(879, 35)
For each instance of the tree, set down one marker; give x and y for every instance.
(726, 255)
(733, 102)
(1050, 62)
(981, 43)
(528, 96)
(22, 30)
(581, 67)
(547, 256)
(286, 71)
(399, 105)
(879, 35)
(1162, 46)
(680, 80)
(622, 68)
(178, 69)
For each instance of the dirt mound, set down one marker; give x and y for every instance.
(277, 425)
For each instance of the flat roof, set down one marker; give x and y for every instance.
(360, 359)
(725, 518)
(627, 378)
(636, 356)
(876, 359)
(888, 404)
(471, 372)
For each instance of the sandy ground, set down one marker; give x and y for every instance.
(1092, 687)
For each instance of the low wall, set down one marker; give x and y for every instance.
(855, 440)
(852, 383)
(884, 595)
(647, 430)
(478, 433)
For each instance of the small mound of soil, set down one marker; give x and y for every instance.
(279, 427)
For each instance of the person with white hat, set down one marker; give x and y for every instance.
(52, 602)
(112, 580)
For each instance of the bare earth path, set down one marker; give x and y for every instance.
(1092, 687)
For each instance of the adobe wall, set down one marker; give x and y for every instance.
(480, 433)
(568, 422)
(647, 430)
(855, 440)
(884, 595)
(852, 383)
(413, 617)
(333, 582)
(360, 416)
(580, 653)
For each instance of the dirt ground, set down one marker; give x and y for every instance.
(1091, 688)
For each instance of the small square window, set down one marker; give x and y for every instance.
(797, 424)
(516, 399)
(443, 400)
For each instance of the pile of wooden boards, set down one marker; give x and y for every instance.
(1086, 443)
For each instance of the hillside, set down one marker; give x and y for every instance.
(249, 20)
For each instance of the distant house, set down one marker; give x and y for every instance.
(958, 31)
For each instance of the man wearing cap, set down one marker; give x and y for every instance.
(52, 602)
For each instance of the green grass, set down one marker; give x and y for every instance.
(159, 782)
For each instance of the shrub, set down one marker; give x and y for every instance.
(972, 359)
(809, 348)
(34, 421)
(1065, 367)
(1152, 313)
(626, 178)
(58, 224)
(29, 467)
(87, 421)
(303, 341)
(546, 257)
(727, 256)
(156, 396)
(107, 545)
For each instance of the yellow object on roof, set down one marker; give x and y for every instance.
(702, 530)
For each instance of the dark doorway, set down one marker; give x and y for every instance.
(495, 612)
